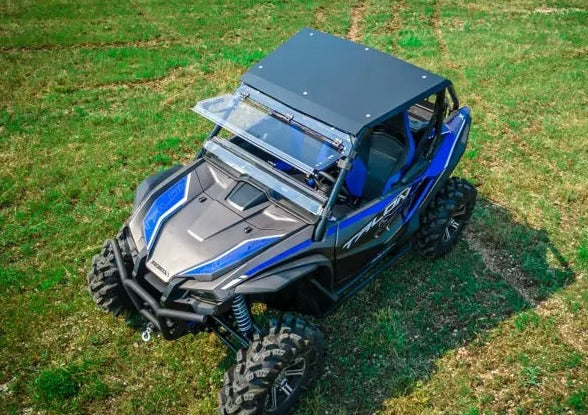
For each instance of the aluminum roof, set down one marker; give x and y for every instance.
(342, 83)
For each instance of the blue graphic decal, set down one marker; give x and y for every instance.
(279, 257)
(163, 207)
(415, 206)
(366, 212)
(239, 252)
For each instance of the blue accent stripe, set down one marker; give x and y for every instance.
(417, 204)
(237, 253)
(369, 211)
(332, 230)
(162, 208)
(279, 257)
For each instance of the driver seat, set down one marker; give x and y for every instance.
(382, 158)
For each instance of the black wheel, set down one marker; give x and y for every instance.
(444, 219)
(271, 375)
(104, 281)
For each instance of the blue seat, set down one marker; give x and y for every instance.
(382, 159)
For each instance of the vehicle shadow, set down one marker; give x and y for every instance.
(390, 335)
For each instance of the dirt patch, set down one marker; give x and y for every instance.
(557, 10)
(395, 23)
(436, 25)
(357, 15)
(500, 263)
(574, 336)
(319, 17)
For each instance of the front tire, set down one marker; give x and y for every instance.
(104, 281)
(271, 375)
(443, 221)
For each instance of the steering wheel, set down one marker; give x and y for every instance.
(344, 194)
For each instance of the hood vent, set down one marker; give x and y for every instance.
(244, 196)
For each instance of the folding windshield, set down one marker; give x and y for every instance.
(279, 188)
(285, 136)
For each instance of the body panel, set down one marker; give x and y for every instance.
(205, 233)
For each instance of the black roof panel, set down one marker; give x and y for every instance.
(340, 82)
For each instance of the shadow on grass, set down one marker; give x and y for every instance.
(389, 336)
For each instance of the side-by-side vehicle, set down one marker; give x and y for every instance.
(329, 162)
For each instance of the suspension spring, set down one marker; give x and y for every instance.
(242, 315)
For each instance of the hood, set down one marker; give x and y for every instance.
(206, 223)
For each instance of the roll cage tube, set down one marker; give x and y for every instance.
(213, 133)
(436, 122)
(454, 98)
(345, 165)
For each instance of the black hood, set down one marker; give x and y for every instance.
(205, 223)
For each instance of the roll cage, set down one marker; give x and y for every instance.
(424, 132)
(427, 141)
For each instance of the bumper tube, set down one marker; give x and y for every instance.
(148, 306)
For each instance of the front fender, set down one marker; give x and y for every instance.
(151, 182)
(284, 275)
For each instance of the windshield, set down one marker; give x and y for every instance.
(286, 137)
(278, 188)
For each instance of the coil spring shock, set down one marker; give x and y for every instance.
(242, 315)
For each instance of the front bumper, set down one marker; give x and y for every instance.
(164, 319)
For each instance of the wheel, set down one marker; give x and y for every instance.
(104, 281)
(271, 375)
(444, 219)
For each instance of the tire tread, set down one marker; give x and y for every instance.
(103, 280)
(429, 238)
(246, 384)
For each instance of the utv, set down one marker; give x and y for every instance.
(326, 165)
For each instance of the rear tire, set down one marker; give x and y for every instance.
(443, 221)
(104, 281)
(271, 375)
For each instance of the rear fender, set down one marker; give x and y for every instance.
(446, 158)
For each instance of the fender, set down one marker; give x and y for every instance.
(460, 146)
(282, 276)
(151, 182)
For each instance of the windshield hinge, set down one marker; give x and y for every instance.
(345, 163)
(327, 213)
(286, 117)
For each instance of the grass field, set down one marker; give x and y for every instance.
(95, 95)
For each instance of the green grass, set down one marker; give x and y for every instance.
(95, 95)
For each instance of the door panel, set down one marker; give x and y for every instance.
(363, 235)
